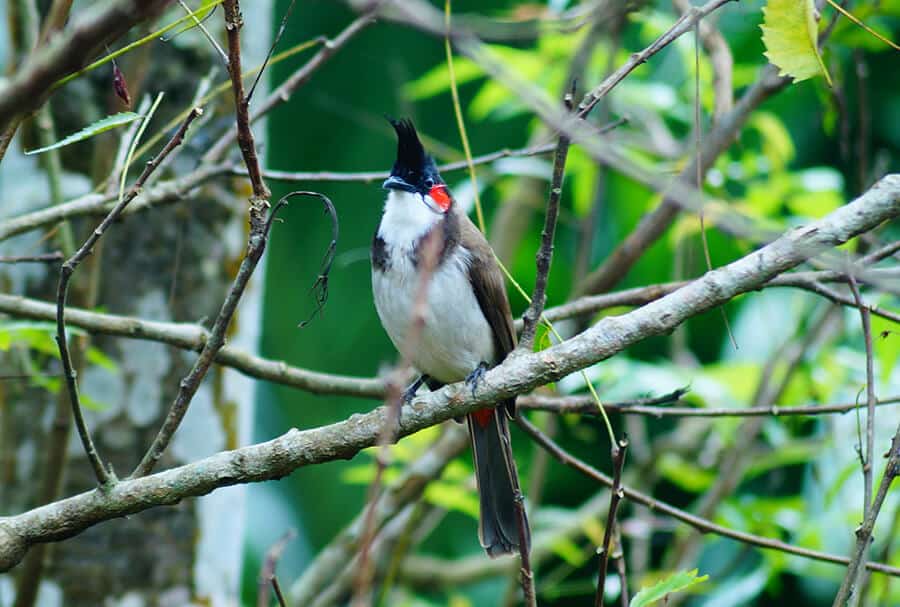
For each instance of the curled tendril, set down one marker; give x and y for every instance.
(319, 288)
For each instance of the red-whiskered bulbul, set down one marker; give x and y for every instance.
(468, 326)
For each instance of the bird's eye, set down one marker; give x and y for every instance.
(429, 183)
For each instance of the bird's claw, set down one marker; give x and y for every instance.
(410, 392)
(474, 378)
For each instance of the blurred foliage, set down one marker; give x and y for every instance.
(804, 153)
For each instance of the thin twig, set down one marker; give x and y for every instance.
(409, 487)
(265, 63)
(719, 58)
(267, 570)
(256, 245)
(233, 23)
(871, 399)
(278, 594)
(864, 531)
(283, 93)
(545, 252)
(615, 496)
(42, 258)
(585, 405)
(699, 523)
(199, 24)
(683, 25)
(68, 268)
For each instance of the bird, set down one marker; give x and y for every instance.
(466, 325)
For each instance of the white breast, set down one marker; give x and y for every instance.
(455, 337)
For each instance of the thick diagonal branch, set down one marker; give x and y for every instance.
(276, 458)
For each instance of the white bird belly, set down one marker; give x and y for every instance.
(455, 337)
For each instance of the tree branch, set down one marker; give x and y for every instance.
(615, 496)
(100, 204)
(516, 375)
(234, 21)
(193, 337)
(545, 252)
(586, 405)
(699, 523)
(864, 531)
(256, 245)
(68, 52)
(283, 93)
(65, 275)
(652, 225)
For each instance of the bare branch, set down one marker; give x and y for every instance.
(42, 258)
(193, 337)
(864, 531)
(267, 571)
(283, 93)
(370, 176)
(699, 523)
(545, 252)
(515, 375)
(69, 267)
(100, 204)
(682, 26)
(256, 244)
(871, 399)
(615, 496)
(234, 21)
(586, 405)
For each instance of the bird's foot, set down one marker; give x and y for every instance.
(411, 390)
(474, 378)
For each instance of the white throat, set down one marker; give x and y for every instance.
(406, 219)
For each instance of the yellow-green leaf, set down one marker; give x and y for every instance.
(674, 583)
(790, 34)
(110, 122)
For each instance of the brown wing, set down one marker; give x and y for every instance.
(490, 288)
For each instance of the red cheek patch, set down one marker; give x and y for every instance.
(440, 196)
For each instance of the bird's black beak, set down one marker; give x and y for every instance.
(397, 183)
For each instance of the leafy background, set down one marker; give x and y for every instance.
(804, 484)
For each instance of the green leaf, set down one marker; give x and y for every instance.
(566, 549)
(777, 144)
(674, 583)
(452, 497)
(684, 474)
(96, 356)
(110, 122)
(790, 34)
(437, 80)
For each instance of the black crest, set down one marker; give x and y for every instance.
(410, 153)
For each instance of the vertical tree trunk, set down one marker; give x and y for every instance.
(169, 263)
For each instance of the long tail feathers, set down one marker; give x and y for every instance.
(498, 483)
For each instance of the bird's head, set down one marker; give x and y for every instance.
(414, 170)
